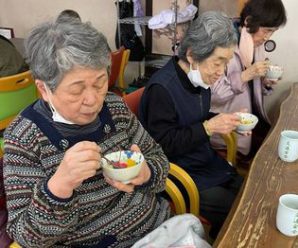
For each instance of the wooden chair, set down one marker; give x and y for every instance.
(119, 60)
(231, 143)
(15, 245)
(123, 65)
(16, 93)
(133, 99)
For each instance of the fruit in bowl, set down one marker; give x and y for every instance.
(274, 72)
(122, 165)
(247, 122)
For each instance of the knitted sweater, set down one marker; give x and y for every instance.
(96, 210)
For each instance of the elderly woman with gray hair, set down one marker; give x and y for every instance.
(57, 195)
(175, 110)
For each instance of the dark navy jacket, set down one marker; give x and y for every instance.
(191, 109)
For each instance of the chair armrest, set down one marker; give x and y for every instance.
(14, 245)
(124, 61)
(231, 143)
(176, 197)
(189, 186)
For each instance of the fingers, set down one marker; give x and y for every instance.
(128, 188)
(85, 151)
(258, 69)
(242, 110)
(224, 123)
(244, 133)
(79, 163)
(84, 145)
(135, 148)
(143, 176)
(140, 179)
(262, 68)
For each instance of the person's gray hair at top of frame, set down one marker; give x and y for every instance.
(210, 30)
(54, 48)
(66, 14)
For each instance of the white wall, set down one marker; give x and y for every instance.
(286, 55)
(22, 15)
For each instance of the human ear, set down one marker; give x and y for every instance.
(189, 56)
(42, 89)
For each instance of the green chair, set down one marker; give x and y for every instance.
(16, 93)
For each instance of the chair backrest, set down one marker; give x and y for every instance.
(133, 100)
(116, 59)
(124, 62)
(16, 93)
(190, 187)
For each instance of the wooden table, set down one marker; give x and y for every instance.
(251, 222)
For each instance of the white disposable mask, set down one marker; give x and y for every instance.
(196, 78)
(55, 114)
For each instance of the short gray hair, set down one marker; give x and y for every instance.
(54, 48)
(210, 30)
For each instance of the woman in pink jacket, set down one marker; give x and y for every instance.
(244, 85)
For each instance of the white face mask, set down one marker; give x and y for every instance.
(55, 114)
(196, 78)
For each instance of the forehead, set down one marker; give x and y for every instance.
(81, 75)
(268, 29)
(223, 53)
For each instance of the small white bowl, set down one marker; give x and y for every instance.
(274, 72)
(122, 174)
(248, 122)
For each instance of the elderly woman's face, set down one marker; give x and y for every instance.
(80, 95)
(262, 35)
(213, 67)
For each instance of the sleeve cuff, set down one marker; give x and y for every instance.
(199, 133)
(53, 197)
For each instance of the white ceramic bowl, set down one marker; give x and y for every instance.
(122, 174)
(248, 122)
(274, 72)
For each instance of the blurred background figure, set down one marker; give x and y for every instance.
(68, 13)
(11, 61)
(244, 83)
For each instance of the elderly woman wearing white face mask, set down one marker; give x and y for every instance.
(175, 110)
(56, 192)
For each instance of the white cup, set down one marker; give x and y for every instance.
(274, 72)
(288, 146)
(287, 215)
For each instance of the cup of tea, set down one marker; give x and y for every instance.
(288, 145)
(287, 215)
(274, 72)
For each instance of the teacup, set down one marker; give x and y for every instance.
(274, 72)
(248, 121)
(288, 145)
(287, 215)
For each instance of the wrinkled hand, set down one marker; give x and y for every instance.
(223, 123)
(258, 69)
(80, 162)
(143, 176)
